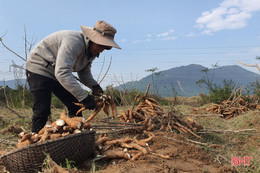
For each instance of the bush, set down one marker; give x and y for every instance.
(219, 93)
(126, 98)
(55, 101)
(15, 97)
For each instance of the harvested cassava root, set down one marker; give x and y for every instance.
(230, 108)
(147, 108)
(61, 127)
(104, 102)
(150, 114)
(126, 148)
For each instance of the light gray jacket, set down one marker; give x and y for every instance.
(60, 54)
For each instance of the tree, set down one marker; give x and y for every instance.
(154, 82)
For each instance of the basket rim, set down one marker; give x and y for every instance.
(47, 142)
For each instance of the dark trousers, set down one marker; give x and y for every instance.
(41, 88)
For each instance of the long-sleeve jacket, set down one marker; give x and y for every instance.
(60, 54)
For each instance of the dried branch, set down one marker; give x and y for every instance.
(13, 111)
(11, 49)
(107, 70)
(250, 65)
(25, 43)
(227, 131)
(202, 115)
(7, 103)
(101, 68)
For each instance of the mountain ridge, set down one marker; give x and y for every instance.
(183, 79)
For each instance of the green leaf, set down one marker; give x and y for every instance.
(0, 38)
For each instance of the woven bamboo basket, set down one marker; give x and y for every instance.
(75, 147)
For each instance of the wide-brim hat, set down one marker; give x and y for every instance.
(102, 33)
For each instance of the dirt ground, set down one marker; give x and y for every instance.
(183, 158)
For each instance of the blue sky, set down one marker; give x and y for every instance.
(153, 34)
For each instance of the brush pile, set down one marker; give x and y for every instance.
(229, 109)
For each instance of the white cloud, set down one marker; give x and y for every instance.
(256, 49)
(149, 35)
(145, 40)
(165, 34)
(168, 38)
(231, 14)
(191, 34)
(162, 36)
(123, 40)
(137, 41)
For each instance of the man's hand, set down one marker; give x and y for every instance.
(97, 90)
(89, 102)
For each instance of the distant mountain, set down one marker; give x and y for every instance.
(183, 79)
(12, 83)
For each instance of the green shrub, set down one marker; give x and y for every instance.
(15, 97)
(218, 93)
(123, 98)
(126, 98)
(55, 102)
